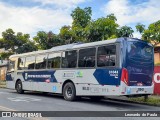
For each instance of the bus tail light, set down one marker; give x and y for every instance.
(124, 76)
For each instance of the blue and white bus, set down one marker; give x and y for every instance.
(122, 66)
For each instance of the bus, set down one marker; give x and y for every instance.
(118, 67)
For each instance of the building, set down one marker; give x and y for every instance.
(157, 54)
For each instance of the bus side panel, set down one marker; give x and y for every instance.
(92, 81)
(97, 90)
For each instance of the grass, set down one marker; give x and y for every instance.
(152, 100)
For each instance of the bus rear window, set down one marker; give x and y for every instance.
(140, 50)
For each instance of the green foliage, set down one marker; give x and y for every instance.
(9, 39)
(101, 29)
(81, 17)
(152, 100)
(66, 34)
(4, 55)
(125, 31)
(140, 28)
(152, 34)
(46, 40)
(27, 47)
(16, 43)
(112, 17)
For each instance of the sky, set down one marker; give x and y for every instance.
(31, 16)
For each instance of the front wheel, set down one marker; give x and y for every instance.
(69, 91)
(19, 87)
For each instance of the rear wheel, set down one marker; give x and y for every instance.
(69, 91)
(19, 87)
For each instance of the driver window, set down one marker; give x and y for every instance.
(11, 66)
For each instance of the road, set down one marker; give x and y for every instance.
(32, 101)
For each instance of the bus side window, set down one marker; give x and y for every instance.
(69, 59)
(54, 60)
(21, 63)
(11, 66)
(41, 62)
(87, 57)
(30, 62)
(106, 56)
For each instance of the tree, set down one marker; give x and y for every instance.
(16, 43)
(4, 55)
(152, 34)
(140, 28)
(46, 40)
(22, 38)
(81, 17)
(101, 29)
(9, 39)
(112, 17)
(27, 47)
(66, 34)
(125, 31)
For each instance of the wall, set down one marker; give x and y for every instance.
(156, 80)
(3, 72)
(156, 57)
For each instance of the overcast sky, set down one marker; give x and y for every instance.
(30, 16)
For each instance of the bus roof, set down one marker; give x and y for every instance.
(65, 47)
(70, 47)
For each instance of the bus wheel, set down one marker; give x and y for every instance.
(69, 91)
(19, 87)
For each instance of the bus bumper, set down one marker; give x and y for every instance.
(139, 90)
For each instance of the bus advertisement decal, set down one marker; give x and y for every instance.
(39, 76)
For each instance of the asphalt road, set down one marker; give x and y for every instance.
(32, 101)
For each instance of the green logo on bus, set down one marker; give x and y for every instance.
(79, 74)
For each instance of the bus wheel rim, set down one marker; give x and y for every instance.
(69, 92)
(19, 87)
